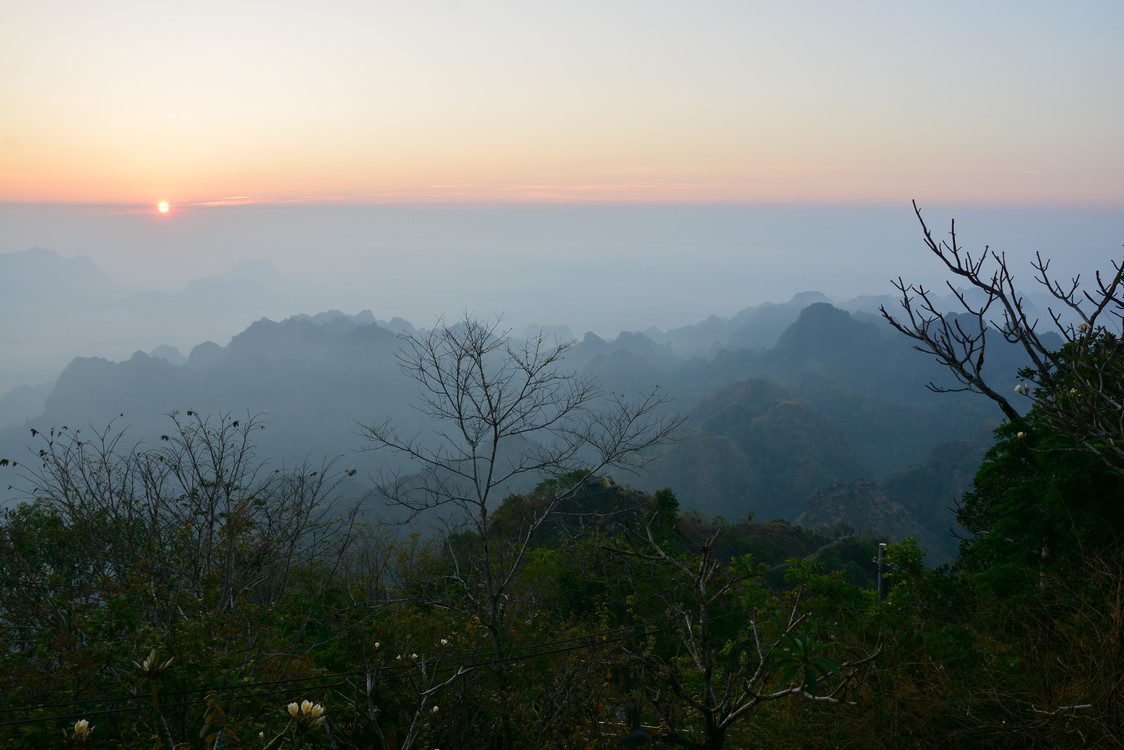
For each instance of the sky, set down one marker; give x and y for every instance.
(201, 103)
(606, 165)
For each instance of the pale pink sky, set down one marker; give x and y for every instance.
(1003, 102)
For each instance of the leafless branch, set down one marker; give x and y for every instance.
(1077, 389)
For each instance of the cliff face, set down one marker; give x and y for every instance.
(861, 506)
(755, 447)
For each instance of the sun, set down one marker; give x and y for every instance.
(163, 207)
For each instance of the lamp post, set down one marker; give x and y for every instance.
(881, 580)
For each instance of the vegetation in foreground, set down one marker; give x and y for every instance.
(190, 595)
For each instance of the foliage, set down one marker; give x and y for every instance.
(188, 549)
(729, 645)
(1036, 502)
(373, 632)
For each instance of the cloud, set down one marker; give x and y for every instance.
(234, 200)
(617, 191)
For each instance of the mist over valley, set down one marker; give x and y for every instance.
(791, 402)
(809, 409)
(108, 281)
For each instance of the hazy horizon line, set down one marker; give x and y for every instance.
(353, 201)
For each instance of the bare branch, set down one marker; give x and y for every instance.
(1077, 390)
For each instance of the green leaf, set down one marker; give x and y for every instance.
(810, 684)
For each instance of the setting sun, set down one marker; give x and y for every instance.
(163, 207)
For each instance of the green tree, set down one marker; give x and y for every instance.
(731, 645)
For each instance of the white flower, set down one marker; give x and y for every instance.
(307, 714)
(413, 656)
(1018, 389)
(433, 710)
(377, 644)
(150, 668)
(82, 730)
(1083, 326)
(444, 641)
(1021, 435)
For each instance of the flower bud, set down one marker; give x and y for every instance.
(82, 730)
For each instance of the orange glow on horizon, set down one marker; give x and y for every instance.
(766, 185)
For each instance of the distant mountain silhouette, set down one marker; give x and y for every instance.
(169, 354)
(23, 402)
(42, 290)
(20, 274)
(756, 327)
(68, 307)
(834, 400)
(311, 380)
(93, 391)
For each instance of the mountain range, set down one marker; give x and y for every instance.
(789, 407)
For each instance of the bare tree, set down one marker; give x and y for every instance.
(505, 415)
(1077, 388)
